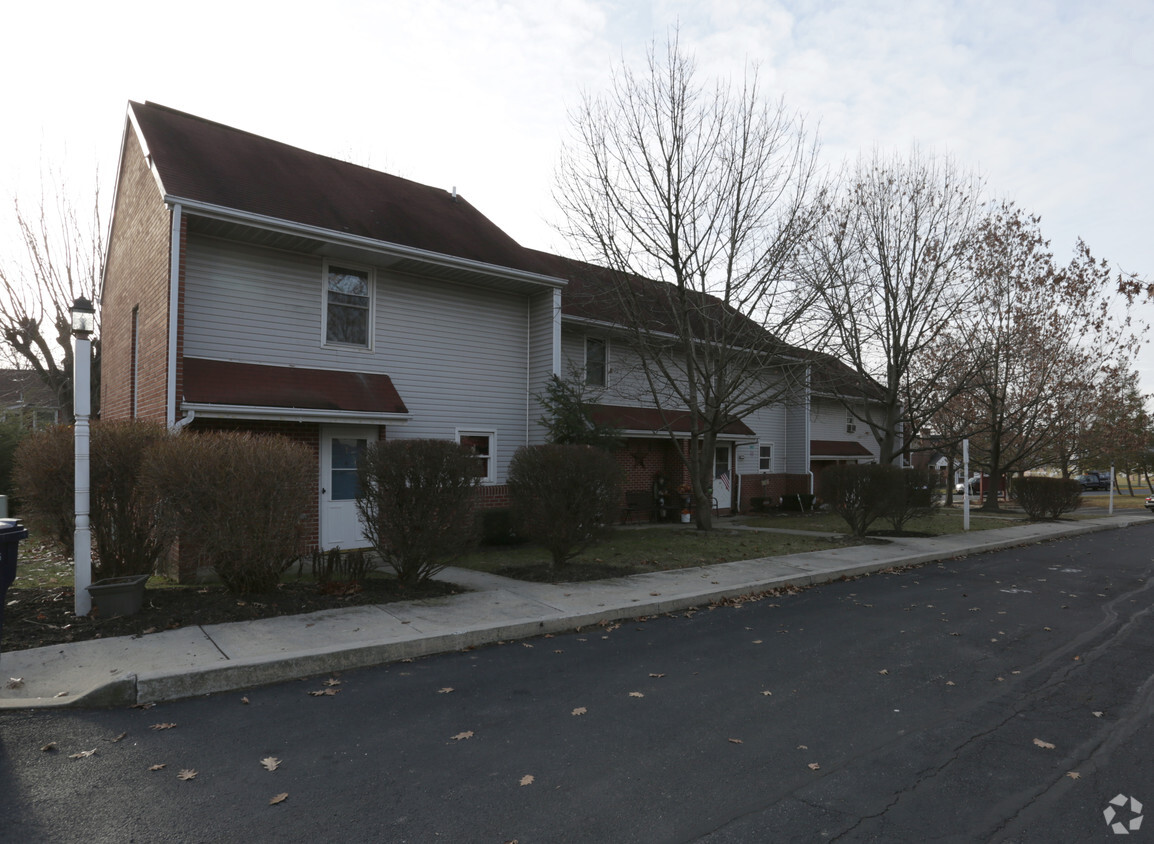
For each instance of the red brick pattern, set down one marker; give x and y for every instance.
(136, 277)
(770, 486)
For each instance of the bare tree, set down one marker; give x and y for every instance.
(61, 258)
(1051, 335)
(696, 197)
(890, 263)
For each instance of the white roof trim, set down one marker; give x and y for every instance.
(393, 249)
(293, 414)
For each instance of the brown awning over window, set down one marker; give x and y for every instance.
(248, 384)
(652, 419)
(838, 448)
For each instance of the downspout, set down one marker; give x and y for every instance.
(528, 359)
(173, 314)
(179, 425)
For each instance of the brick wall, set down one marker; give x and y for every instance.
(770, 486)
(136, 277)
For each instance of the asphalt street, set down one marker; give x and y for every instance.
(996, 697)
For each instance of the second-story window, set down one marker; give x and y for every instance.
(348, 298)
(596, 362)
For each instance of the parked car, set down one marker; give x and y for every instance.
(1094, 480)
(1150, 503)
(975, 486)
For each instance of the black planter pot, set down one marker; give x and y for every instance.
(118, 595)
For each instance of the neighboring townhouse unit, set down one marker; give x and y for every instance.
(252, 285)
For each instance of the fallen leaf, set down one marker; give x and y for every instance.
(61, 694)
(950, 683)
(244, 700)
(1043, 744)
(527, 779)
(165, 726)
(757, 641)
(1097, 714)
(802, 747)
(324, 692)
(332, 681)
(142, 706)
(636, 694)
(157, 767)
(657, 675)
(1074, 775)
(271, 763)
(813, 766)
(280, 798)
(118, 738)
(767, 694)
(464, 735)
(735, 741)
(884, 671)
(49, 747)
(15, 682)
(580, 710)
(526, 645)
(149, 630)
(445, 690)
(83, 754)
(187, 774)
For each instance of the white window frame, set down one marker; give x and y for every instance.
(850, 422)
(604, 341)
(761, 457)
(491, 475)
(371, 315)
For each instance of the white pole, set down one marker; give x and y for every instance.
(1111, 489)
(82, 409)
(966, 484)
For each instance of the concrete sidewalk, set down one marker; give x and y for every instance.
(226, 657)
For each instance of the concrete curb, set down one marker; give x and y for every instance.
(806, 569)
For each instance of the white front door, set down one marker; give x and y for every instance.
(341, 445)
(723, 476)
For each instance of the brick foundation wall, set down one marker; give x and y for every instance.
(770, 486)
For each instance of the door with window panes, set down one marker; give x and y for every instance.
(341, 445)
(723, 476)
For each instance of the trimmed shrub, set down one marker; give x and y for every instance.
(124, 510)
(561, 495)
(417, 501)
(1047, 498)
(12, 433)
(861, 493)
(914, 498)
(236, 500)
(45, 478)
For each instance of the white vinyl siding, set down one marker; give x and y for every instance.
(456, 354)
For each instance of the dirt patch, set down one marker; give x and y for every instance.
(34, 618)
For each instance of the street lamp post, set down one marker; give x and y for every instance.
(83, 324)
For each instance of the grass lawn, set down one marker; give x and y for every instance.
(635, 550)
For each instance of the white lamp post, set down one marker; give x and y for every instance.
(83, 324)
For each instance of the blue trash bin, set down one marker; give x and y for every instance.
(11, 532)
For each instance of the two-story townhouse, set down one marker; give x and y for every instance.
(253, 285)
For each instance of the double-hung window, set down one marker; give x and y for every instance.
(480, 443)
(348, 306)
(765, 457)
(596, 362)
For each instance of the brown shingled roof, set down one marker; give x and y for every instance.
(838, 448)
(215, 164)
(254, 385)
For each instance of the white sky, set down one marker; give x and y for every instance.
(1051, 101)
